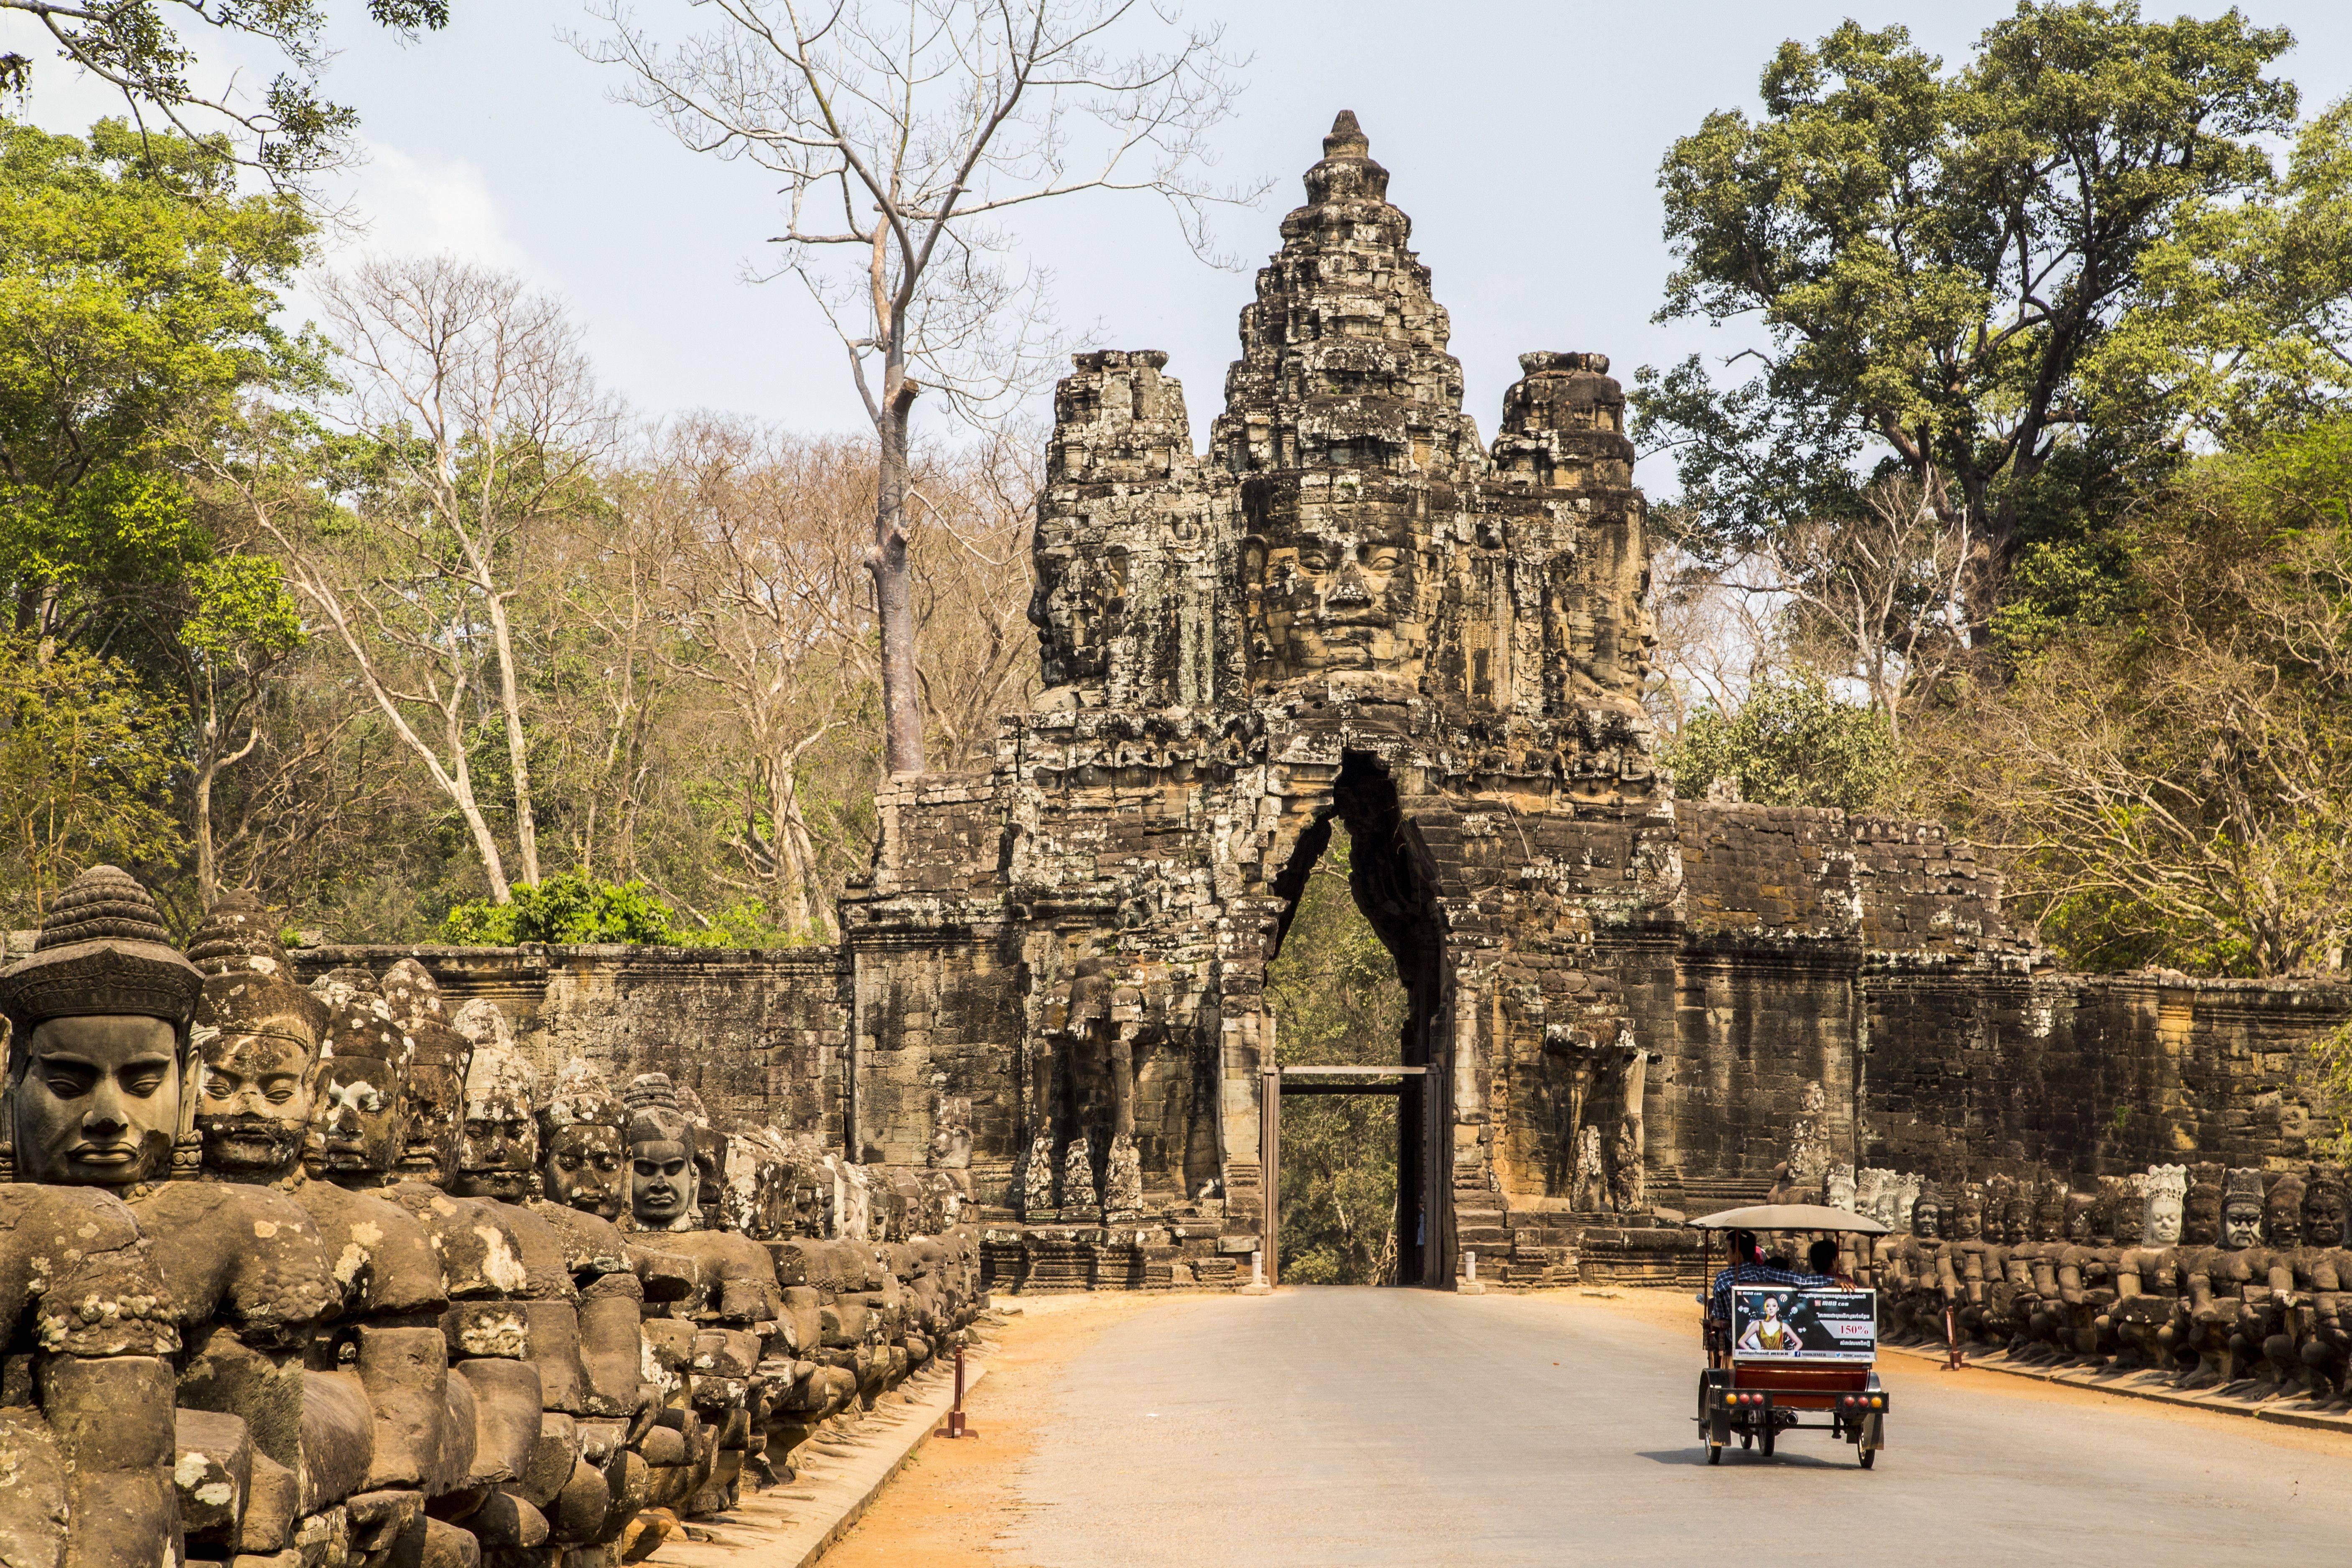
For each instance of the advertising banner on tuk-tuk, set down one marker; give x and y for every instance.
(1784, 1322)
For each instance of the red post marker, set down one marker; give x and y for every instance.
(955, 1427)
(1953, 1360)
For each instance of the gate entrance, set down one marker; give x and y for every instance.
(1407, 1084)
(1353, 997)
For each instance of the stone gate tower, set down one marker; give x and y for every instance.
(1349, 614)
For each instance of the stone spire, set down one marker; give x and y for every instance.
(1343, 353)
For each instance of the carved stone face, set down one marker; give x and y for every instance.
(1968, 1223)
(1333, 594)
(1080, 605)
(361, 1117)
(2130, 1223)
(663, 1181)
(1927, 1220)
(255, 1095)
(2323, 1216)
(98, 1102)
(2282, 1217)
(498, 1148)
(586, 1168)
(2241, 1224)
(435, 1096)
(2013, 1221)
(2163, 1225)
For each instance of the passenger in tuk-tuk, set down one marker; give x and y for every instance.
(1823, 1259)
(1748, 1267)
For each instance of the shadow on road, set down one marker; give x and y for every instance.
(1697, 1456)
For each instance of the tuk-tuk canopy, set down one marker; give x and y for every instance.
(1791, 1217)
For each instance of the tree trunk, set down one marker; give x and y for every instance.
(517, 749)
(894, 597)
(207, 864)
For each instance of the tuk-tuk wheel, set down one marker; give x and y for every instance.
(1769, 1434)
(1715, 1453)
(1747, 1440)
(1869, 1456)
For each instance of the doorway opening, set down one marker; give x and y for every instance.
(1347, 1117)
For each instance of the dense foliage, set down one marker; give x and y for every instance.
(1337, 1002)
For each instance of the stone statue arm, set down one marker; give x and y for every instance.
(104, 1378)
(2127, 1274)
(2066, 1281)
(1949, 1279)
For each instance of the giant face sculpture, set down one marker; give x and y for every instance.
(98, 1101)
(436, 1073)
(2241, 1210)
(2322, 1208)
(361, 1120)
(100, 1012)
(665, 1184)
(498, 1137)
(257, 1038)
(1928, 1216)
(584, 1158)
(1337, 591)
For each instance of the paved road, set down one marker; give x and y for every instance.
(1342, 1426)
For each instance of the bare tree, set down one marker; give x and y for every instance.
(904, 132)
(1877, 597)
(483, 427)
(762, 580)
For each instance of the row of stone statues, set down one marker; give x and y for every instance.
(315, 1278)
(2238, 1281)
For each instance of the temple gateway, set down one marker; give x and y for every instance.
(1352, 615)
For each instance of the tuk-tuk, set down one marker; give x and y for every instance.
(1776, 1353)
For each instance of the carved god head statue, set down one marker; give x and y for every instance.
(2283, 1212)
(1838, 1186)
(2323, 1207)
(258, 1035)
(497, 1132)
(2084, 1223)
(437, 1074)
(359, 1125)
(2008, 1208)
(1333, 585)
(1969, 1212)
(2168, 1205)
(2052, 1208)
(665, 1187)
(1927, 1213)
(2241, 1209)
(584, 1162)
(1902, 1192)
(2200, 1211)
(2128, 1197)
(101, 1051)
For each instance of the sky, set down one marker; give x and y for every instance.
(1523, 139)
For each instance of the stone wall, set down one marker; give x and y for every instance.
(760, 1036)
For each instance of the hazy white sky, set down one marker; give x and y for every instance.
(1523, 138)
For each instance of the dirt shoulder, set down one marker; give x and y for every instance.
(954, 1500)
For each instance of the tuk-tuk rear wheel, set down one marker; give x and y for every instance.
(1747, 1440)
(1715, 1453)
(1869, 1457)
(1770, 1433)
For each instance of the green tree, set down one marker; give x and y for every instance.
(1792, 743)
(2173, 784)
(86, 769)
(130, 46)
(136, 296)
(1337, 1002)
(1933, 256)
(2243, 322)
